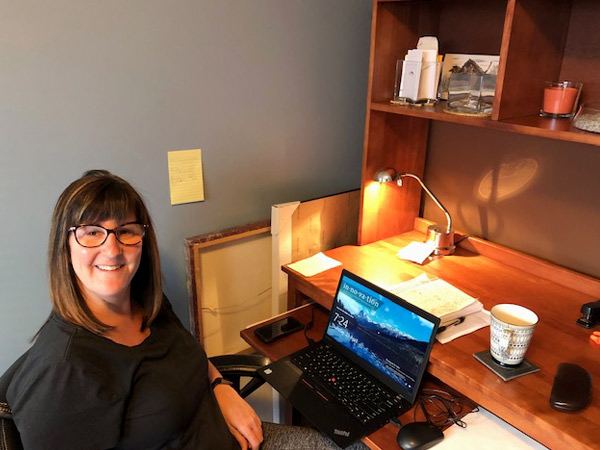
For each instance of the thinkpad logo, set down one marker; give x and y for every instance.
(341, 432)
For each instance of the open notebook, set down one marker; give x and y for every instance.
(437, 297)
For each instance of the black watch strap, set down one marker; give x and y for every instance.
(220, 380)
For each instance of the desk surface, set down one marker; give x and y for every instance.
(555, 295)
(384, 438)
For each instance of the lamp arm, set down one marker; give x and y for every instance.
(433, 197)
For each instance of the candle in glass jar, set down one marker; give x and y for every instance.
(559, 100)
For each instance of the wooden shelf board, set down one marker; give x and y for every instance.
(531, 125)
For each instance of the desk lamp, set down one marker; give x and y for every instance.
(442, 238)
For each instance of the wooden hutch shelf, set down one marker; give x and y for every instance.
(537, 40)
(533, 125)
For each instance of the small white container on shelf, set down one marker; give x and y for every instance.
(416, 81)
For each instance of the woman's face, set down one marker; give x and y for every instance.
(105, 272)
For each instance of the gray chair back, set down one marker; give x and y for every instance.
(9, 435)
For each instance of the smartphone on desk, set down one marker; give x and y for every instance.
(278, 329)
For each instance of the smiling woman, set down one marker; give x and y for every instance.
(113, 367)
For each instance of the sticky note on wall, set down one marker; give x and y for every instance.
(185, 176)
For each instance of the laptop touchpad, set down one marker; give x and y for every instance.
(284, 376)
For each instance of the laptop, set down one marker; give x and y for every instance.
(367, 368)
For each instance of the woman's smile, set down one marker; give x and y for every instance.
(108, 268)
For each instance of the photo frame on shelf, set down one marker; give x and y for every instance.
(453, 62)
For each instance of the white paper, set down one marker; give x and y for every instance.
(315, 264)
(398, 289)
(439, 298)
(445, 301)
(417, 251)
(428, 43)
(472, 322)
(411, 74)
(428, 80)
(486, 431)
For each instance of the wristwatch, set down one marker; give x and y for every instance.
(220, 380)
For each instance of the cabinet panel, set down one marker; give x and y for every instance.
(581, 61)
(398, 142)
(471, 27)
(535, 32)
(396, 29)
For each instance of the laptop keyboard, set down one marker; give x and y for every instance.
(333, 376)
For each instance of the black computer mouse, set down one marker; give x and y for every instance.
(572, 388)
(419, 436)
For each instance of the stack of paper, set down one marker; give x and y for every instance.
(438, 298)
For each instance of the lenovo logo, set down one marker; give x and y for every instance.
(341, 432)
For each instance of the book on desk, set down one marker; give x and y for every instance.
(450, 304)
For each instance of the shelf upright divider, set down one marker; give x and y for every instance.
(392, 140)
(533, 42)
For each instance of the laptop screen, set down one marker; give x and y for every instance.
(382, 333)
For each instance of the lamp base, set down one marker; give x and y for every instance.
(444, 241)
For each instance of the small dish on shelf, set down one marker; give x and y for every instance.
(588, 118)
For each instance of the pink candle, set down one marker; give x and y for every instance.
(559, 100)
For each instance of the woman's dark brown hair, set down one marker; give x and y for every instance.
(95, 197)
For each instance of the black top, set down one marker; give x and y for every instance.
(80, 391)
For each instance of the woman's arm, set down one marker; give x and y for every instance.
(241, 419)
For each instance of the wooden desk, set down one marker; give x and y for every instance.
(493, 275)
(382, 439)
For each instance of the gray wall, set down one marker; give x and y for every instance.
(273, 91)
(542, 197)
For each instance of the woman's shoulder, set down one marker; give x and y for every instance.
(55, 387)
(64, 348)
(63, 355)
(54, 341)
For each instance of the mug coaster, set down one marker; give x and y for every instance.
(506, 373)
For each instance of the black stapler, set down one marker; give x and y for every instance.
(590, 315)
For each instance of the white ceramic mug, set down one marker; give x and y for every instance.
(511, 329)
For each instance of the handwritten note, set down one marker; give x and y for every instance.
(445, 301)
(185, 176)
(437, 297)
(413, 283)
